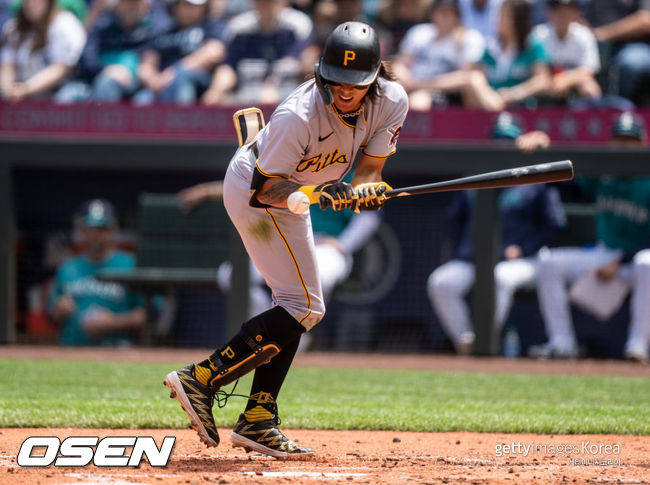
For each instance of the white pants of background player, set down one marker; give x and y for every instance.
(450, 283)
(559, 267)
(333, 266)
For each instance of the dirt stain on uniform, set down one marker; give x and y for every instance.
(262, 230)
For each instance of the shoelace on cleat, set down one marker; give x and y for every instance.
(222, 396)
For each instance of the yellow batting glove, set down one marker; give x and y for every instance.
(372, 195)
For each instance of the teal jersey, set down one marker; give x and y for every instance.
(76, 278)
(505, 71)
(623, 209)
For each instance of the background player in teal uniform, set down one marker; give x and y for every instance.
(93, 312)
(623, 232)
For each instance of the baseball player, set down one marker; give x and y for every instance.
(351, 108)
(530, 216)
(623, 233)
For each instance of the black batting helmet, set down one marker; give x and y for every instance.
(352, 55)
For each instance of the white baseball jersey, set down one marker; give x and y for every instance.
(578, 48)
(307, 142)
(433, 55)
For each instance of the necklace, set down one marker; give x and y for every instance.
(351, 114)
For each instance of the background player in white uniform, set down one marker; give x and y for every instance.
(530, 216)
(621, 252)
(351, 108)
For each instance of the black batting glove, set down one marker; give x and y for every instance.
(371, 195)
(339, 196)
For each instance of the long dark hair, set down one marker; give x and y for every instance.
(521, 20)
(385, 72)
(23, 25)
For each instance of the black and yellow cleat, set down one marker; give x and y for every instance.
(196, 400)
(265, 437)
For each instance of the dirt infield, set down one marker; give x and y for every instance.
(378, 457)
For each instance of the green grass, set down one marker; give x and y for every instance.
(51, 393)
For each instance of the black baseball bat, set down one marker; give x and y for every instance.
(532, 174)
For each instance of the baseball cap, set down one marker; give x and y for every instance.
(629, 125)
(98, 213)
(507, 126)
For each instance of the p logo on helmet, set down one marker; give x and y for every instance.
(349, 56)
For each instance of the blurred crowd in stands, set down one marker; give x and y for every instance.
(486, 54)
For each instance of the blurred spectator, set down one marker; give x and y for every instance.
(539, 10)
(573, 50)
(620, 255)
(348, 10)
(529, 216)
(324, 16)
(345, 11)
(92, 312)
(77, 7)
(231, 8)
(327, 14)
(108, 69)
(177, 63)
(398, 16)
(516, 68)
(434, 58)
(96, 10)
(40, 48)
(481, 15)
(626, 25)
(5, 12)
(264, 49)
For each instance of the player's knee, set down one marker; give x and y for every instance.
(548, 265)
(316, 314)
(503, 276)
(642, 259)
(440, 283)
(307, 311)
(432, 283)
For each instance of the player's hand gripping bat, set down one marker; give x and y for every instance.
(531, 174)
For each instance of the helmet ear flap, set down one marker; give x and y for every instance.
(320, 83)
